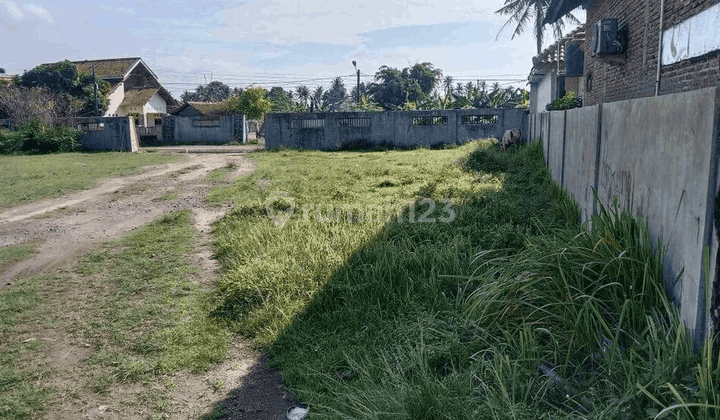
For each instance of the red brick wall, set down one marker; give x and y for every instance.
(607, 81)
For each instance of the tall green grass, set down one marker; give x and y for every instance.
(514, 310)
(273, 272)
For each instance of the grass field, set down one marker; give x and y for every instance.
(511, 310)
(30, 178)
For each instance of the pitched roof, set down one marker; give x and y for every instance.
(208, 107)
(548, 58)
(138, 97)
(111, 68)
(203, 108)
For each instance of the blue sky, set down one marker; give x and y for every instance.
(268, 43)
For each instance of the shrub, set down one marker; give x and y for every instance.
(10, 141)
(569, 101)
(36, 137)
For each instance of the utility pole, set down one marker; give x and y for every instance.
(358, 81)
(95, 91)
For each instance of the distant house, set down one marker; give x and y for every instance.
(643, 51)
(135, 89)
(556, 71)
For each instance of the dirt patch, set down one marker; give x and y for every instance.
(64, 227)
(71, 223)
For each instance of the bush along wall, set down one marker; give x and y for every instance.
(569, 101)
(36, 137)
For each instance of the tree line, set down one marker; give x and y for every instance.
(419, 87)
(52, 94)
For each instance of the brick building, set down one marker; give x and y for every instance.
(690, 48)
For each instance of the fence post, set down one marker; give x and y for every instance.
(245, 129)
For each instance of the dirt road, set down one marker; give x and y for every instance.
(66, 226)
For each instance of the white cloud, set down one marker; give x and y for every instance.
(329, 21)
(12, 9)
(122, 10)
(39, 12)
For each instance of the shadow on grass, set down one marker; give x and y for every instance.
(388, 334)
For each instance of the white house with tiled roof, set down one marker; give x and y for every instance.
(135, 89)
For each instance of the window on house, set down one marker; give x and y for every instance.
(158, 121)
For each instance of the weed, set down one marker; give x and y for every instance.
(514, 310)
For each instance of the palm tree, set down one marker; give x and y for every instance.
(524, 11)
(303, 94)
(317, 98)
(448, 84)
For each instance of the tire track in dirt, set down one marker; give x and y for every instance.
(66, 225)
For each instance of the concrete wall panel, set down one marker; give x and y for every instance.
(581, 138)
(545, 135)
(658, 156)
(194, 130)
(107, 134)
(556, 144)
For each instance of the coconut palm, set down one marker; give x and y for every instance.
(303, 94)
(525, 11)
(448, 85)
(316, 99)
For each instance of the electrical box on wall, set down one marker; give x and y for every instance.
(608, 38)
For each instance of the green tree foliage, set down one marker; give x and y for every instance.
(253, 102)
(387, 90)
(214, 91)
(281, 100)
(478, 95)
(525, 12)
(354, 91)
(64, 80)
(303, 95)
(365, 105)
(335, 97)
(569, 101)
(393, 88)
(317, 100)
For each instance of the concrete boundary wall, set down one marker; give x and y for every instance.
(108, 134)
(338, 130)
(556, 145)
(659, 157)
(205, 129)
(580, 167)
